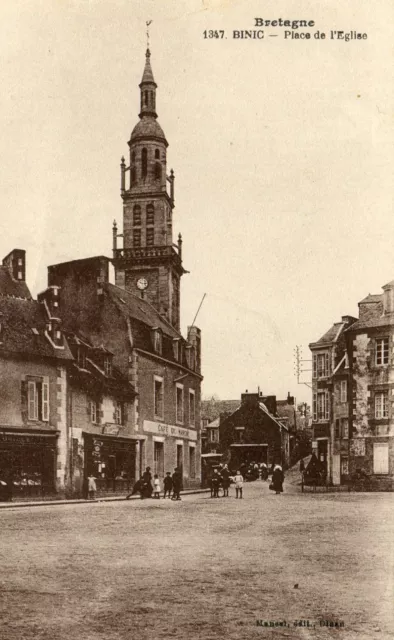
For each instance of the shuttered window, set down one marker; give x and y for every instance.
(380, 457)
(38, 400)
(32, 401)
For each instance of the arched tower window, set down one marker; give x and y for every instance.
(144, 162)
(133, 176)
(137, 215)
(145, 97)
(133, 157)
(150, 214)
(157, 154)
(157, 171)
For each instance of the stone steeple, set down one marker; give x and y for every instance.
(149, 261)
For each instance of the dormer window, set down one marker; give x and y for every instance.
(157, 339)
(81, 357)
(108, 366)
(175, 347)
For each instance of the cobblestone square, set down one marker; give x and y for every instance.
(200, 568)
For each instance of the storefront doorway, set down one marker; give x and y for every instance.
(112, 461)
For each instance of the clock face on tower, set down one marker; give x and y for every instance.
(142, 284)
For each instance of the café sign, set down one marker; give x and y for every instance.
(163, 429)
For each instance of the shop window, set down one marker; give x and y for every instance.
(380, 457)
(343, 390)
(344, 466)
(192, 462)
(382, 351)
(158, 397)
(179, 402)
(38, 400)
(158, 459)
(381, 405)
(192, 407)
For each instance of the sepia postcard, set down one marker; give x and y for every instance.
(196, 320)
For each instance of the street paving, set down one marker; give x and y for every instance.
(200, 568)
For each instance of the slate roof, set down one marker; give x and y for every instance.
(92, 379)
(11, 287)
(371, 298)
(19, 318)
(212, 410)
(373, 316)
(331, 335)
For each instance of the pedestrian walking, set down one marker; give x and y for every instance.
(239, 483)
(147, 488)
(264, 472)
(215, 484)
(277, 479)
(225, 481)
(156, 486)
(92, 487)
(176, 484)
(167, 485)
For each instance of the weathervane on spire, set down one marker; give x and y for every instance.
(149, 22)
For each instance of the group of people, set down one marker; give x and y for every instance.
(221, 477)
(172, 485)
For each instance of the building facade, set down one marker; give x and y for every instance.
(371, 359)
(138, 318)
(253, 433)
(34, 362)
(330, 404)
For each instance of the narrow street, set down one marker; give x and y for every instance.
(199, 568)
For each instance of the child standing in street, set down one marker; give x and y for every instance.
(92, 488)
(239, 483)
(167, 485)
(156, 486)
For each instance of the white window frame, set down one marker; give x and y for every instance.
(94, 412)
(381, 467)
(323, 413)
(343, 390)
(158, 415)
(179, 418)
(382, 352)
(381, 405)
(192, 405)
(33, 400)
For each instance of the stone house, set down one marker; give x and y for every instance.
(330, 407)
(370, 343)
(34, 360)
(253, 433)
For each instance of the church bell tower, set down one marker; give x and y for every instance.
(149, 264)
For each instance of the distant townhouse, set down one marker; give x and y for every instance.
(330, 407)
(254, 433)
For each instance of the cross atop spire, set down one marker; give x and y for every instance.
(149, 22)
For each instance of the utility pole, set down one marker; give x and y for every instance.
(299, 366)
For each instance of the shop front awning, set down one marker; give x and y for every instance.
(245, 446)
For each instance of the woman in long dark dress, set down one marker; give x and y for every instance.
(277, 479)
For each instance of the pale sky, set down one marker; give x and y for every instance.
(282, 151)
